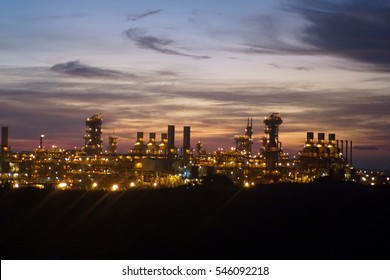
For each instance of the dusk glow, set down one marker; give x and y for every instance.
(211, 65)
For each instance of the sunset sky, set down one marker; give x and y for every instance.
(144, 65)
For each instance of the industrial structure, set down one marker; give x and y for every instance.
(93, 136)
(154, 163)
(272, 147)
(5, 151)
(244, 142)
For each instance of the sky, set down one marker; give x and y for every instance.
(211, 65)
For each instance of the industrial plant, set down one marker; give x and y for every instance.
(153, 163)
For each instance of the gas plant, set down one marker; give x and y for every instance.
(161, 163)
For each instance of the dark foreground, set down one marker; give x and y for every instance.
(322, 221)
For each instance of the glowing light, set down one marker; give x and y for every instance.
(132, 184)
(62, 185)
(94, 185)
(16, 185)
(114, 187)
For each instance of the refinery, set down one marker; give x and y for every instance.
(154, 163)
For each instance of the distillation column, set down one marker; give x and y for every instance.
(271, 148)
(93, 137)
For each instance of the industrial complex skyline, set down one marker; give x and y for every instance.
(324, 65)
(167, 163)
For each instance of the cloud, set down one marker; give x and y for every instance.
(75, 68)
(357, 30)
(366, 148)
(216, 110)
(162, 45)
(64, 16)
(353, 30)
(135, 17)
(275, 65)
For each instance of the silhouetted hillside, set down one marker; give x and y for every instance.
(290, 221)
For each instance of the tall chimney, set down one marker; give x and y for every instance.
(140, 137)
(186, 143)
(321, 138)
(152, 137)
(346, 150)
(310, 138)
(186, 138)
(4, 138)
(350, 154)
(171, 139)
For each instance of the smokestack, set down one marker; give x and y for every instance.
(152, 137)
(309, 137)
(342, 147)
(321, 138)
(332, 138)
(4, 138)
(140, 137)
(186, 138)
(350, 154)
(41, 141)
(337, 148)
(171, 139)
(346, 150)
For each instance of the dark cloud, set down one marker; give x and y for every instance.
(359, 30)
(162, 45)
(134, 17)
(277, 66)
(61, 105)
(366, 148)
(167, 73)
(302, 68)
(75, 68)
(356, 30)
(64, 16)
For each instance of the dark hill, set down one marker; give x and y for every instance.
(313, 221)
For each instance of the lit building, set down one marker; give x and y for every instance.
(320, 158)
(93, 137)
(272, 147)
(244, 142)
(5, 152)
(152, 164)
(112, 145)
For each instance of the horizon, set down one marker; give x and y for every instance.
(324, 65)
